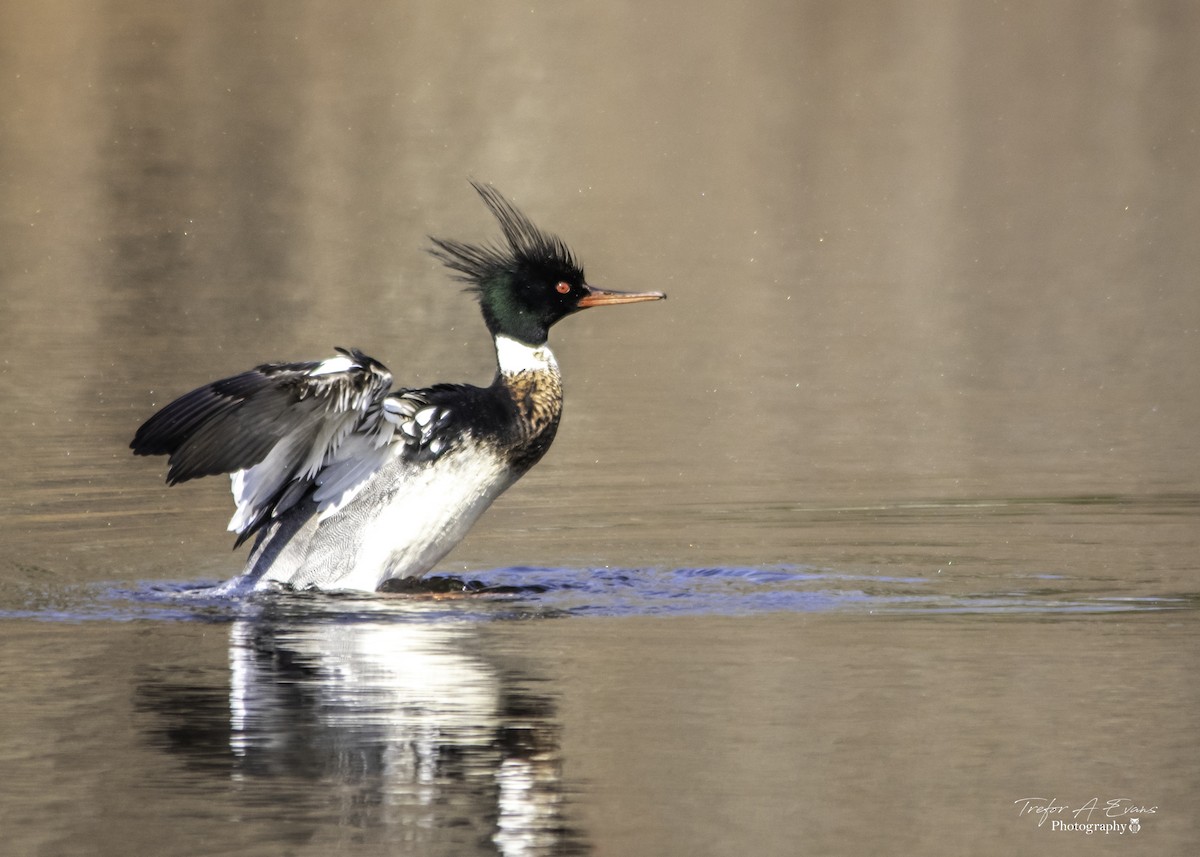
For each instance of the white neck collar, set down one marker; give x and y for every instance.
(515, 356)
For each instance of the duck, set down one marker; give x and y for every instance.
(346, 484)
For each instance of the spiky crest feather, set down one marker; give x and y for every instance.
(476, 264)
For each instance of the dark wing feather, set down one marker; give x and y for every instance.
(274, 427)
(228, 425)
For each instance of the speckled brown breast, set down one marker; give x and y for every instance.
(538, 398)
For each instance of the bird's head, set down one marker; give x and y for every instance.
(531, 282)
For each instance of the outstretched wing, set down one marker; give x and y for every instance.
(284, 430)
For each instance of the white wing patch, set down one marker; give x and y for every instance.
(336, 427)
(333, 365)
(360, 456)
(257, 485)
(324, 416)
(418, 421)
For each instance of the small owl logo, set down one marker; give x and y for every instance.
(1134, 825)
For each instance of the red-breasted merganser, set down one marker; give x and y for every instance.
(350, 484)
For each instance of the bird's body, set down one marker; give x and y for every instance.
(349, 484)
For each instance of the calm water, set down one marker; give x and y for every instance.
(882, 535)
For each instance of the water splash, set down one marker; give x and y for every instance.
(530, 592)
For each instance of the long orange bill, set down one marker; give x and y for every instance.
(607, 297)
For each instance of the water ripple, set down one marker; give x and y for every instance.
(530, 592)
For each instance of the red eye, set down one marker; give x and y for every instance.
(563, 288)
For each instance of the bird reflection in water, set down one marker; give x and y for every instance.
(402, 730)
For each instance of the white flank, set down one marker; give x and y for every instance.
(515, 357)
(429, 512)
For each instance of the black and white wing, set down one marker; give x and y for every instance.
(283, 430)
